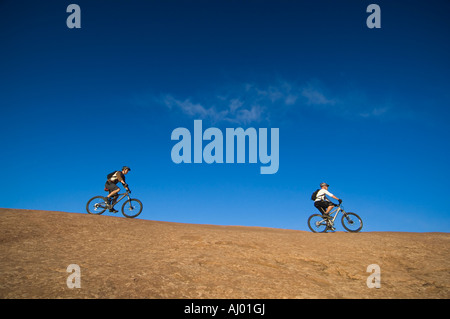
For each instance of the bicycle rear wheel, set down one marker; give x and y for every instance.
(317, 224)
(96, 205)
(352, 222)
(132, 208)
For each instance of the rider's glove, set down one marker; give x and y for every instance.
(340, 201)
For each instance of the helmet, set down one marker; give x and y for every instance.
(324, 184)
(126, 167)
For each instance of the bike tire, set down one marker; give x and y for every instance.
(98, 205)
(352, 222)
(132, 208)
(317, 224)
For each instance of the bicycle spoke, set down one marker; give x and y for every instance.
(132, 208)
(96, 205)
(352, 222)
(317, 224)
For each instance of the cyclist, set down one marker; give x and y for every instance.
(322, 203)
(111, 186)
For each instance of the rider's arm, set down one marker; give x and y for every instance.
(340, 200)
(331, 195)
(120, 178)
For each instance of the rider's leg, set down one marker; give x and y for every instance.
(329, 209)
(112, 188)
(324, 207)
(112, 197)
(113, 193)
(319, 207)
(327, 214)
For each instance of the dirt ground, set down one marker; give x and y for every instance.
(132, 258)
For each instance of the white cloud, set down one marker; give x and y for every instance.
(375, 112)
(195, 109)
(315, 97)
(250, 103)
(247, 104)
(290, 99)
(235, 104)
(246, 116)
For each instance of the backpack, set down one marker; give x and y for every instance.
(110, 175)
(314, 195)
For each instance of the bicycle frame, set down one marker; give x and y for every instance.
(123, 195)
(350, 221)
(335, 211)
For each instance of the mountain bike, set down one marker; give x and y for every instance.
(319, 223)
(131, 208)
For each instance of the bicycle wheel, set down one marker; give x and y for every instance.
(96, 205)
(317, 224)
(352, 222)
(132, 208)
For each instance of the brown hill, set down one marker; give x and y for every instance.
(123, 258)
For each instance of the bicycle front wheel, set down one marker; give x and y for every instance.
(352, 222)
(132, 208)
(96, 205)
(317, 224)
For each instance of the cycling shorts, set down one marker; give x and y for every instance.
(110, 186)
(322, 205)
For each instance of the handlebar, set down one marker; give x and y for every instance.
(338, 205)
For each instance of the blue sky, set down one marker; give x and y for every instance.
(365, 110)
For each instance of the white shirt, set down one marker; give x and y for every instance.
(321, 195)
